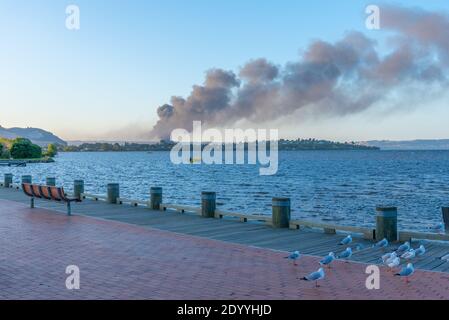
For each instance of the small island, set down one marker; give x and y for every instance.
(163, 145)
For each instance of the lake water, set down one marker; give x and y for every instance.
(332, 186)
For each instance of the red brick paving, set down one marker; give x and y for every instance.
(121, 261)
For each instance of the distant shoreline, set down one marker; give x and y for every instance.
(283, 145)
(348, 150)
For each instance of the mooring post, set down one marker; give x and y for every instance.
(113, 192)
(387, 223)
(26, 179)
(208, 204)
(8, 180)
(281, 209)
(78, 188)
(155, 198)
(446, 219)
(50, 181)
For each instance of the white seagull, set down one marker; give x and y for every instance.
(392, 258)
(409, 254)
(420, 251)
(403, 248)
(346, 240)
(327, 260)
(381, 244)
(315, 276)
(394, 263)
(437, 228)
(294, 256)
(346, 254)
(388, 256)
(445, 258)
(406, 272)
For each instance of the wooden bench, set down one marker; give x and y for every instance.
(48, 193)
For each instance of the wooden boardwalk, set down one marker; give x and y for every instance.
(307, 241)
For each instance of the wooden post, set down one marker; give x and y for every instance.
(8, 180)
(50, 181)
(281, 212)
(113, 192)
(78, 188)
(155, 198)
(208, 204)
(446, 219)
(26, 179)
(387, 223)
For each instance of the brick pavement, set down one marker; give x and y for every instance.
(121, 261)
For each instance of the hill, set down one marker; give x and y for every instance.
(37, 136)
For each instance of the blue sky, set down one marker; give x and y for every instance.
(107, 79)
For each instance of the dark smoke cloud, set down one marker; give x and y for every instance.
(339, 78)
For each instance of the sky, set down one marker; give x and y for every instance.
(106, 80)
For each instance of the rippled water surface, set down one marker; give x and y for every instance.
(332, 186)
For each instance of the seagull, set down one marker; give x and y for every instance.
(346, 254)
(394, 263)
(327, 260)
(388, 256)
(392, 258)
(294, 256)
(315, 276)
(409, 254)
(406, 272)
(438, 227)
(403, 248)
(420, 251)
(381, 244)
(445, 258)
(346, 240)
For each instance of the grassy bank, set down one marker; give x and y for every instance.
(37, 160)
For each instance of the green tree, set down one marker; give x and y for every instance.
(52, 150)
(24, 149)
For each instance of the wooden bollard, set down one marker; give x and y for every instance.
(26, 179)
(50, 181)
(113, 192)
(8, 180)
(78, 188)
(281, 209)
(208, 204)
(446, 219)
(387, 223)
(155, 198)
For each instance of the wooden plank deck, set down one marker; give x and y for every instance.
(306, 240)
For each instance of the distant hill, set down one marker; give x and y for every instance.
(37, 136)
(429, 144)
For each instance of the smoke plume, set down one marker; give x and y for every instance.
(332, 79)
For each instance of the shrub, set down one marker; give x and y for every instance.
(52, 150)
(23, 149)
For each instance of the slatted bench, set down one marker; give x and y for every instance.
(48, 193)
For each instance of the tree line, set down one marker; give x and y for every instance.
(21, 148)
